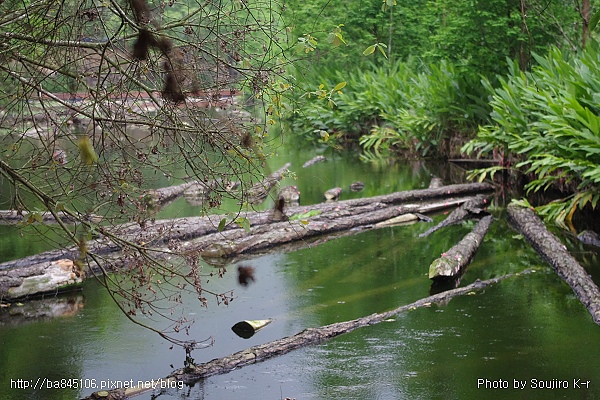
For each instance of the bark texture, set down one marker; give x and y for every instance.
(455, 260)
(555, 253)
(472, 208)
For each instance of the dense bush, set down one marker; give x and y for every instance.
(408, 107)
(549, 121)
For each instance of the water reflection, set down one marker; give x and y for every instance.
(524, 328)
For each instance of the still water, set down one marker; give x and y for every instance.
(529, 331)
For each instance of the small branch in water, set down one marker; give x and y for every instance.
(307, 337)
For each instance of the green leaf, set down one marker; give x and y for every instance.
(243, 223)
(594, 21)
(221, 225)
(339, 86)
(369, 50)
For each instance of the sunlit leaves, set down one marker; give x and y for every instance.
(377, 46)
(307, 43)
(336, 36)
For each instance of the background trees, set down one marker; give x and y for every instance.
(103, 100)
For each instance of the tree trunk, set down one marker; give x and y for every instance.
(307, 337)
(554, 252)
(457, 258)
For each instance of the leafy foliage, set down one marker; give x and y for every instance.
(407, 107)
(549, 120)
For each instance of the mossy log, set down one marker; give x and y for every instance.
(46, 277)
(307, 337)
(455, 260)
(555, 253)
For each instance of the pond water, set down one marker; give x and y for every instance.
(528, 330)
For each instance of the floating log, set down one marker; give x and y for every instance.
(469, 209)
(156, 198)
(11, 217)
(47, 277)
(247, 329)
(555, 253)
(456, 259)
(159, 232)
(357, 186)
(307, 337)
(290, 194)
(333, 194)
(257, 193)
(589, 237)
(313, 160)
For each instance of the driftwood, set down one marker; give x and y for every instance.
(554, 252)
(313, 160)
(47, 277)
(200, 236)
(307, 337)
(257, 193)
(469, 209)
(456, 259)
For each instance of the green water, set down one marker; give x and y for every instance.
(526, 328)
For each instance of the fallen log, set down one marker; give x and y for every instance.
(156, 198)
(307, 337)
(556, 254)
(47, 277)
(237, 241)
(200, 237)
(159, 232)
(257, 193)
(457, 258)
(12, 217)
(469, 209)
(313, 161)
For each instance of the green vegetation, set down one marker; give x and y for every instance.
(548, 120)
(422, 78)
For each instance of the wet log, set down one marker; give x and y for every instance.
(237, 241)
(455, 260)
(156, 198)
(157, 233)
(258, 193)
(470, 209)
(556, 254)
(12, 217)
(47, 277)
(332, 194)
(307, 337)
(313, 161)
